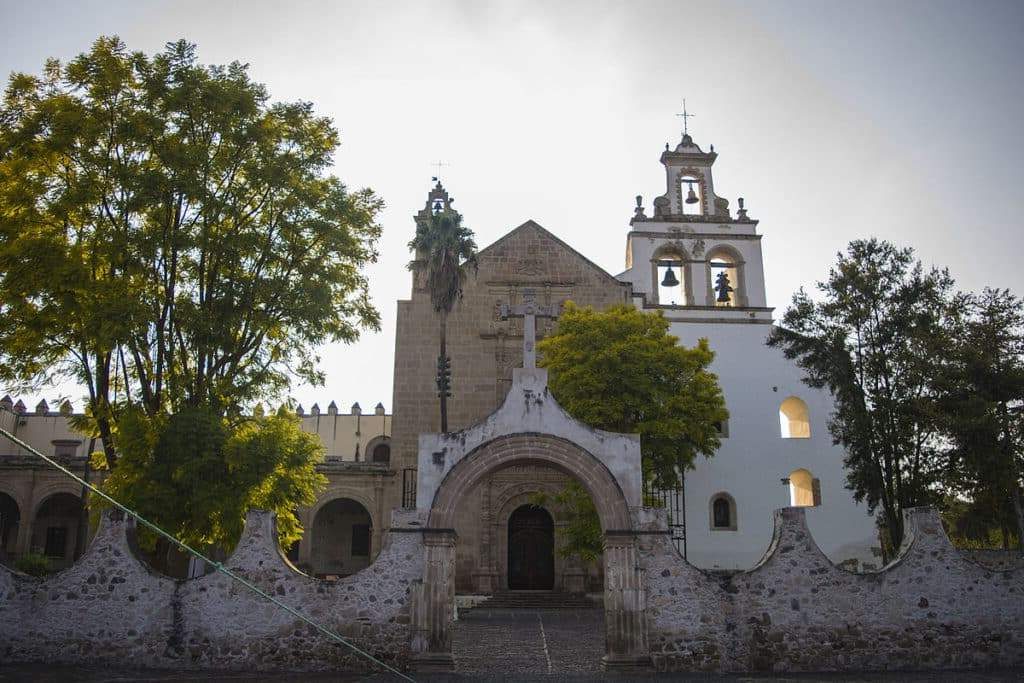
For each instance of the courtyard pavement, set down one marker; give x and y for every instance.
(503, 646)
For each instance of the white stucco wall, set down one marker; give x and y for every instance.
(753, 458)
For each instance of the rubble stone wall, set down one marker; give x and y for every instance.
(931, 608)
(109, 607)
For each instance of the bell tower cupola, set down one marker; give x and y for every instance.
(691, 253)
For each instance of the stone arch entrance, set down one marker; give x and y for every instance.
(55, 531)
(531, 549)
(341, 536)
(625, 619)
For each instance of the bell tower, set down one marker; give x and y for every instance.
(692, 257)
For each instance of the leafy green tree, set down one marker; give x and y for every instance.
(877, 339)
(620, 370)
(984, 401)
(196, 474)
(446, 250)
(169, 238)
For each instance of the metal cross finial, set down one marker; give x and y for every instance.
(529, 311)
(684, 116)
(439, 165)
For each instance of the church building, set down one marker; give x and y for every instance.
(688, 257)
(702, 268)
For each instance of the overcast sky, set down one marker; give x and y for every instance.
(835, 120)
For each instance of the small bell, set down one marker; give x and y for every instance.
(670, 278)
(691, 196)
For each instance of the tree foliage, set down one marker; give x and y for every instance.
(877, 339)
(983, 399)
(620, 370)
(196, 474)
(169, 238)
(446, 251)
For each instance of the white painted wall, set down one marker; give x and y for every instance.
(755, 379)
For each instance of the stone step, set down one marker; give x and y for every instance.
(536, 600)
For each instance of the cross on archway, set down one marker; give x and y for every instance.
(529, 311)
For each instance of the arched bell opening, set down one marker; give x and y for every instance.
(691, 194)
(726, 286)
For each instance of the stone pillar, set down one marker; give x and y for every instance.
(625, 604)
(485, 578)
(435, 603)
(377, 533)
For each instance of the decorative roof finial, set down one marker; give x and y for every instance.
(437, 176)
(684, 116)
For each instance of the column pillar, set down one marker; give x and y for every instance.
(377, 533)
(485, 577)
(434, 610)
(625, 604)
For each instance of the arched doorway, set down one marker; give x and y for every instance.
(341, 534)
(55, 531)
(531, 549)
(10, 518)
(624, 600)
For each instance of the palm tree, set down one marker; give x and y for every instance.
(447, 250)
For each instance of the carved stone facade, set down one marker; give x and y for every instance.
(484, 350)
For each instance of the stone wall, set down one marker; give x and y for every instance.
(796, 611)
(109, 607)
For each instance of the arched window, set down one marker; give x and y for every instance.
(725, 277)
(804, 489)
(670, 277)
(794, 419)
(382, 453)
(723, 512)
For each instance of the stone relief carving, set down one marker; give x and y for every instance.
(529, 266)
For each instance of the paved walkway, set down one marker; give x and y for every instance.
(526, 641)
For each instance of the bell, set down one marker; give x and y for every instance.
(670, 279)
(691, 196)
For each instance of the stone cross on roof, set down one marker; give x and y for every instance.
(529, 311)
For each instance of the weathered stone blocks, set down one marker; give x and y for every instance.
(110, 608)
(796, 611)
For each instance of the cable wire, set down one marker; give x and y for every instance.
(217, 565)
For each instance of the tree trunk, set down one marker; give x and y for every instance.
(441, 390)
(1018, 508)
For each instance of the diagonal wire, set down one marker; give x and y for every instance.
(217, 565)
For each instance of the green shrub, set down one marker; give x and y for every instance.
(33, 564)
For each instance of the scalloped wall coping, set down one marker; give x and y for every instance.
(930, 608)
(110, 607)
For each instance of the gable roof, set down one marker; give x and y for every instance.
(533, 225)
